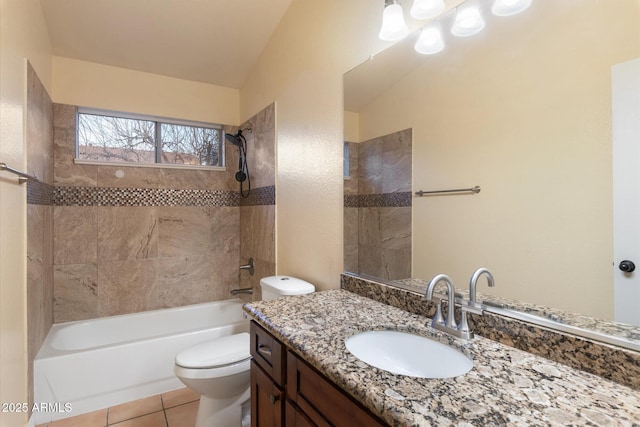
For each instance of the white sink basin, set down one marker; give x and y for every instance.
(407, 354)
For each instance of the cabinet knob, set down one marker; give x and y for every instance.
(627, 266)
(273, 398)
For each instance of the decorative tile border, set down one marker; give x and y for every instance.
(109, 196)
(260, 197)
(385, 200)
(39, 193)
(607, 361)
(106, 196)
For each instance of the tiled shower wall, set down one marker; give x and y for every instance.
(258, 211)
(377, 210)
(39, 219)
(151, 238)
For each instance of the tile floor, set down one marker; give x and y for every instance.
(172, 409)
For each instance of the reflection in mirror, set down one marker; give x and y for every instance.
(524, 110)
(377, 212)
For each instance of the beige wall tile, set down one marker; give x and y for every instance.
(182, 281)
(184, 231)
(397, 263)
(351, 259)
(370, 167)
(75, 293)
(130, 177)
(66, 172)
(257, 232)
(75, 231)
(395, 227)
(396, 162)
(225, 274)
(39, 150)
(39, 129)
(369, 231)
(127, 232)
(125, 286)
(351, 184)
(225, 229)
(193, 179)
(370, 260)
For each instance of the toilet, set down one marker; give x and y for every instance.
(218, 370)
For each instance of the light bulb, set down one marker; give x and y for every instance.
(509, 7)
(468, 22)
(393, 25)
(426, 9)
(430, 40)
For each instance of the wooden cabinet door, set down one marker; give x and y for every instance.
(267, 399)
(324, 403)
(296, 418)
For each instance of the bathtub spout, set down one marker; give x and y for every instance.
(242, 291)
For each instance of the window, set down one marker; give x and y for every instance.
(124, 138)
(346, 159)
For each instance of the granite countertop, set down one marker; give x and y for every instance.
(506, 386)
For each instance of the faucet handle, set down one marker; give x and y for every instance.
(438, 318)
(463, 328)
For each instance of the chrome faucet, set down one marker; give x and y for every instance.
(448, 323)
(473, 283)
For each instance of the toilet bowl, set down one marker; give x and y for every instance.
(219, 370)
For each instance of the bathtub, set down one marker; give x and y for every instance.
(92, 364)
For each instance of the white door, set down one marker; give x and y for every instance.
(626, 189)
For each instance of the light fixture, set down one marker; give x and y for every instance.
(393, 25)
(468, 21)
(426, 9)
(509, 7)
(430, 40)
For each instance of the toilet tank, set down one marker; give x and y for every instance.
(282, 286)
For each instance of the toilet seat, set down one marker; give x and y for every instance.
(217, 358)
(208, 373)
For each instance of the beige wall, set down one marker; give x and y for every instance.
(23, 35)
(301, 69)
(351, 127)
(539, 145)
(94, 85)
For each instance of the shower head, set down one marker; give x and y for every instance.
(235, 139)
(238, 139)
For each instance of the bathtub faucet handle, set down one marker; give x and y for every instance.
(248, 266)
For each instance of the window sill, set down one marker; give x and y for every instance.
(150, 165)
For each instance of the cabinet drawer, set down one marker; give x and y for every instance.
(314, 395)
(267, 353)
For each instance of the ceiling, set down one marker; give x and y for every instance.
(210, 41)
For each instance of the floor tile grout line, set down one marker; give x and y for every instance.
(137, 416)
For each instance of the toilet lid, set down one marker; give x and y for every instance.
(218, 352)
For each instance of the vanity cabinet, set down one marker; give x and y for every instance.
(267, 378)
(287, 391)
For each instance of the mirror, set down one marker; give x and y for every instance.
(522, 109)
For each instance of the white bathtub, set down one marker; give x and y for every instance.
(94, 364)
